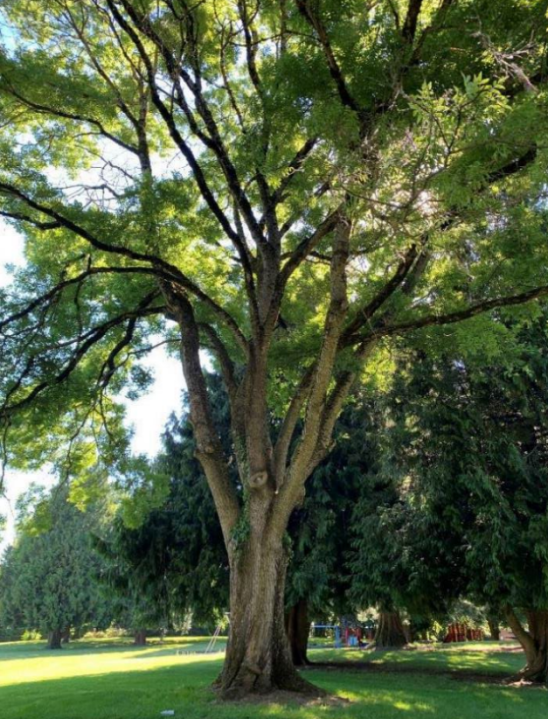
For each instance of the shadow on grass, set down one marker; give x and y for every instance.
(498, 676)
(473, 662)
(184, 688)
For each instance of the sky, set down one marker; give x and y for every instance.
(147, 415)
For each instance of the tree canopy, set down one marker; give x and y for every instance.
(287, 185)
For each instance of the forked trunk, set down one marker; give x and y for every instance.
(390, 633)
(54, 639)
(297, 627)
(534, 642)
(258, 658)
(140, 638)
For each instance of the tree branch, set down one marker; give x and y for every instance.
(305, 247)
(164, 270)
(315, 22)
(92, 337)
(409, 28)
(338, 305)
(209, 449)
(453, 317)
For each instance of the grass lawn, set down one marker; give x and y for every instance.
(114, 680)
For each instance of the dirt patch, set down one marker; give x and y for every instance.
(295, 698)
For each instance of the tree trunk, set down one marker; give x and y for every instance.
(140, 638)
(258, 658)
(390, 633)
(66, 636)
(54, 639)
(537, 655)
(297, 626)
(534, 643)
(494, 629)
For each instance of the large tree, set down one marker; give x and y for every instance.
(288, 184)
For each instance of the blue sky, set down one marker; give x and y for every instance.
(147, 415)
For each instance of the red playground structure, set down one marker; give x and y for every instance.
(458, 632)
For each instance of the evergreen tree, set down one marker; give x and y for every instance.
(48, 577)
(468, 453)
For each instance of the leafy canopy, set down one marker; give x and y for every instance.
(294, 183)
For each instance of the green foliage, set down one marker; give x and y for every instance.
(80, 121)
(48, 578)
(172, 561)
(466, 445)
(320, 528)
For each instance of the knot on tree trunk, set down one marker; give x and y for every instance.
(258, 479)
(204, 448)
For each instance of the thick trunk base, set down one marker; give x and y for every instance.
(54, 639)
(390, 632)
(534, 642)
(536, 671)
(297, 627)
(140, 638)
(258, 658)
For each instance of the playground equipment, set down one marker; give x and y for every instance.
(336, 629)
(349, 634)
(459, 632)
(212, 642)
(211, 646)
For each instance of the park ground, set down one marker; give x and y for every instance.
(111, 679)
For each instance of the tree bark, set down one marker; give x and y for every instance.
(140, 639)
(54, 639)
(390, 633)
(534, 642)
(494, 628)
(297, 626)
(258, 658)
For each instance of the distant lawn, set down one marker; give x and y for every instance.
(111, 679)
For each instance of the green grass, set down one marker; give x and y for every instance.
(113, 680)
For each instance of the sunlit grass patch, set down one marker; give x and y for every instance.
(112, 679)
